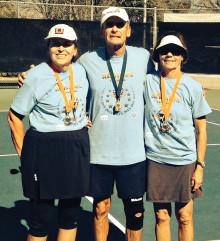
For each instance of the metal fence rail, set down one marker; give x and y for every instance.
(68, 11)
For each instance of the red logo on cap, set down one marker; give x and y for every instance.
(59, 30)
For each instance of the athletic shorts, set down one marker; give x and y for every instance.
(130, 180)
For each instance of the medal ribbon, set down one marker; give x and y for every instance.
(166, 109)
(119, 87)
(68, 105)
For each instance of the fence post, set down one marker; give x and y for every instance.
(145, 11)
(18, 15)
(92, 10)
(144, 21)
(155, 28)
(155, 33)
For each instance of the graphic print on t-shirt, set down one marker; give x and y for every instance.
(78, 111)
(108, 97)
(158, 114)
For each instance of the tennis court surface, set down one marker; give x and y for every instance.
(14, 209)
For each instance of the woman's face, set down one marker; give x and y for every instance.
(170, 59)
(61, 52)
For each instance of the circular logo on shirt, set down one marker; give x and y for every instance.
(77, 113)
(108, 99)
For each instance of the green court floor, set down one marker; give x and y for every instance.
(14, 212)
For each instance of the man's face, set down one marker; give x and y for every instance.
(115, 31)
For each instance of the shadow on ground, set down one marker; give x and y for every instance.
(14, 225)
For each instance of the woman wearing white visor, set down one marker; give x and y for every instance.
(175, 138)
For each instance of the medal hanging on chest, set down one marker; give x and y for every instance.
(118, 105)
(164, 127)
(68, 104)
(166, 105)
(118, 88)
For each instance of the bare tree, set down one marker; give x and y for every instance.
(7, 10)
(209, 4)
(172, 6)
(88, 9)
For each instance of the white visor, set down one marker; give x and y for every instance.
(170, 39)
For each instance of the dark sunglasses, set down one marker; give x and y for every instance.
(118, 24)
(174, 50)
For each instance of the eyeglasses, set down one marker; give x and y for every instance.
(174, 50)
(117, 24)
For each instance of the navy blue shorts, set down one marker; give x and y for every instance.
(130, 180)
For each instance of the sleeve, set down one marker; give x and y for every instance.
(80, 60)
(200, 106)
(150, 64)
(24, 101)
(86, 88)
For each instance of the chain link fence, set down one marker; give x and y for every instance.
(147, 23)
(68, 11)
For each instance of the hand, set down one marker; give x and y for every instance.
(197, 178)
(22, 77)
(89, 122)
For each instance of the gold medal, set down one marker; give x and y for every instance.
(118, 106)
(74, 103)
(164, 113)
(165, 127)
(68, 120)
(117, 83)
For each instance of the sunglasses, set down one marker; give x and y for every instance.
(174, 50)
(118, 24)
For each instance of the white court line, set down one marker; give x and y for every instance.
(213, 123)
(213, 145)
(8, 155)
(215, 109)
(111, 218)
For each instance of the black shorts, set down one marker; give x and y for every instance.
(42, 214)
(130, 180)
(55, 165)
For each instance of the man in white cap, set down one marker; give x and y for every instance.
(116, 107)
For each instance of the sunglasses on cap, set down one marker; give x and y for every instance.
(171, 49)
(117, 24)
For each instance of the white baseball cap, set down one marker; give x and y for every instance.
(62, 31)
(114, 11)
(170, 39)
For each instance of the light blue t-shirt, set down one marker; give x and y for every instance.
(41, 99)
(178, 147)
(117, 138)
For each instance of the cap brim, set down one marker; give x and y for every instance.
(56, 36)
(114, 15)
